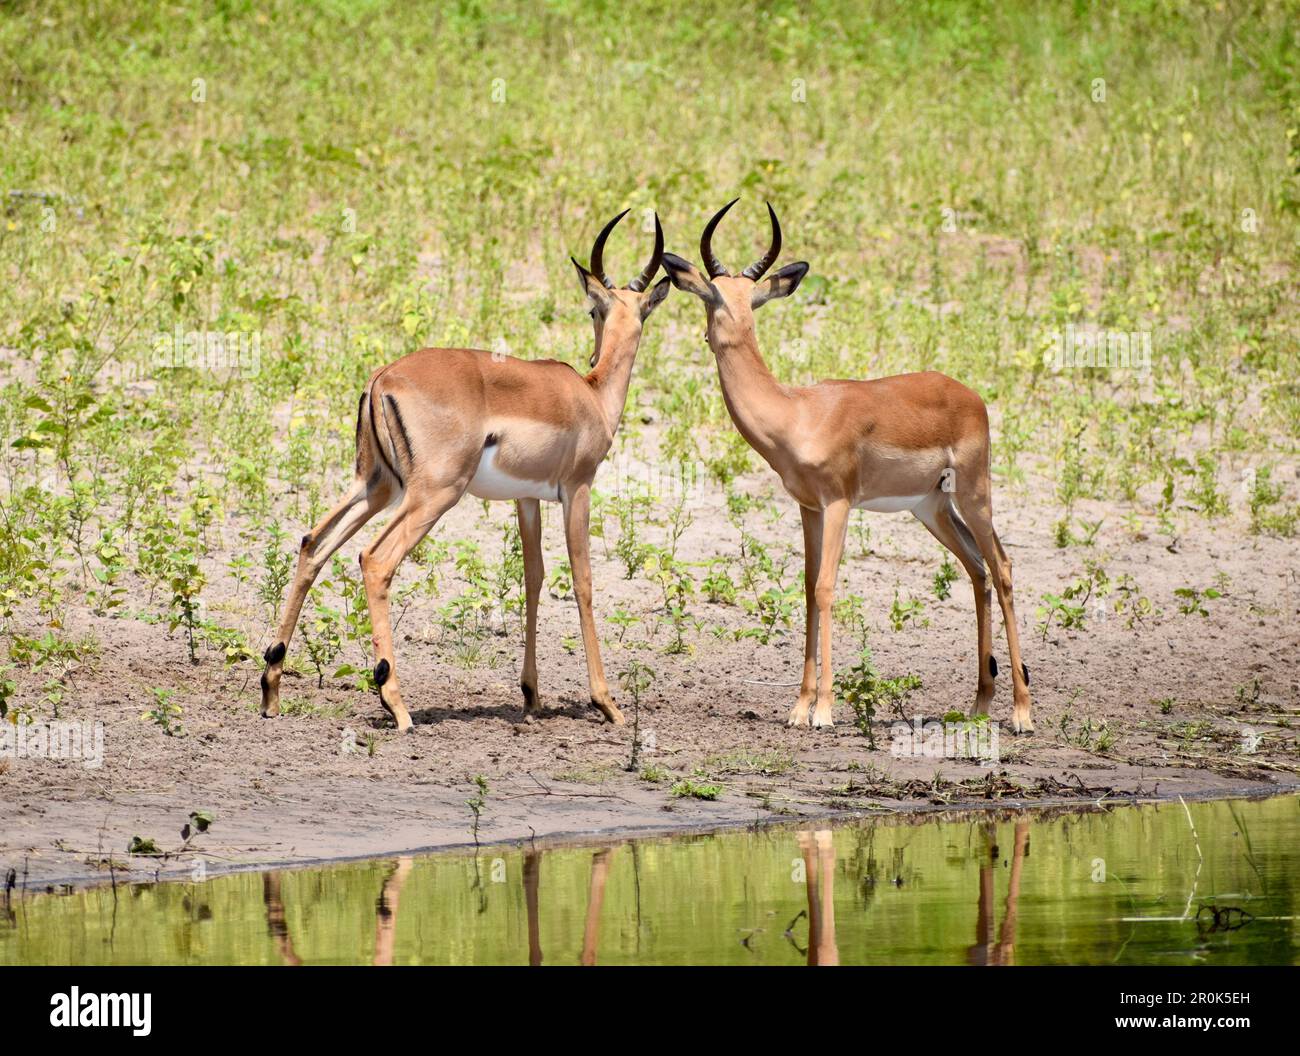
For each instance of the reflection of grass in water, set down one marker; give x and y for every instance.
(902, 894)
(1244, 829)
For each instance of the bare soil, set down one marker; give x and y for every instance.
(1191, 705)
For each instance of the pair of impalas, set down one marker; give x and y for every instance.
(442, 422)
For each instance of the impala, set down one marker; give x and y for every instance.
(443, 422)
(915, 442)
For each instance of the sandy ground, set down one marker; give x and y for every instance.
(1191, 705)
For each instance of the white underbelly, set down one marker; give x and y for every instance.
(891, 503)
(489, 482)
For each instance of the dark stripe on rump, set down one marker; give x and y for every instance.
(361, 409)
(379, 444)
(401, 429)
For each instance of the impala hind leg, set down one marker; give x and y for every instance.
(835, 523)
(938, 516)
(336, 528)
(812, 556)
(577, 513)
(977, 511)
(530, 536)
(416, 515)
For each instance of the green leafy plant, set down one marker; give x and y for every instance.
(868, 693)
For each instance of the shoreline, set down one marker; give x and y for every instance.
(179, 866)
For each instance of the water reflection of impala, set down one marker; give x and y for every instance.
(386, 907)
(818, 850)
(595, 903)
(993, 945)
(1003, 951)
(385, 913)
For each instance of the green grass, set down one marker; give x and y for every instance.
(342, 183)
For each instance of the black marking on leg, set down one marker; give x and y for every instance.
(306, 541)
(266, 683)
(491, 440)
(1024, 671)
(530, 696)
(993, 666)
(382, 670)
(401, 430)
(274, 654)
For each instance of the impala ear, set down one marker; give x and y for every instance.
(657, 295)
(592, 288)
(779, 284)
(687, 277)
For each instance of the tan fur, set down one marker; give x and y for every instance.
(838, 445)
(818, 851)
(431, 422)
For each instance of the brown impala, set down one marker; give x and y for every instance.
(445, 421)
(916, 442)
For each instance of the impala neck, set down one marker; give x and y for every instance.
(613, 374)
(757, 403)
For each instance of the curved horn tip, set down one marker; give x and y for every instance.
(711, 263)
(643, 280)
(598, 250)
(755, 271)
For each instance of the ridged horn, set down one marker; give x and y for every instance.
(598, 251)
(711, 263)
(755, 270)
(656, 259)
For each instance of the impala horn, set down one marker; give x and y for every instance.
(656, 259)
(598, 256)
(711, 263)
(598, 251)
(755, 270)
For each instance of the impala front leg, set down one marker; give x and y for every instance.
(812, 555)
(577, 511)
(835, 523)
(530, 535)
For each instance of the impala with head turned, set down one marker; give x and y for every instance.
(445, 422)
(914, 442)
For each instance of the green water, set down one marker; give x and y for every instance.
(1128, 887)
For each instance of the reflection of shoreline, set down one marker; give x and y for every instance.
(968, 807)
